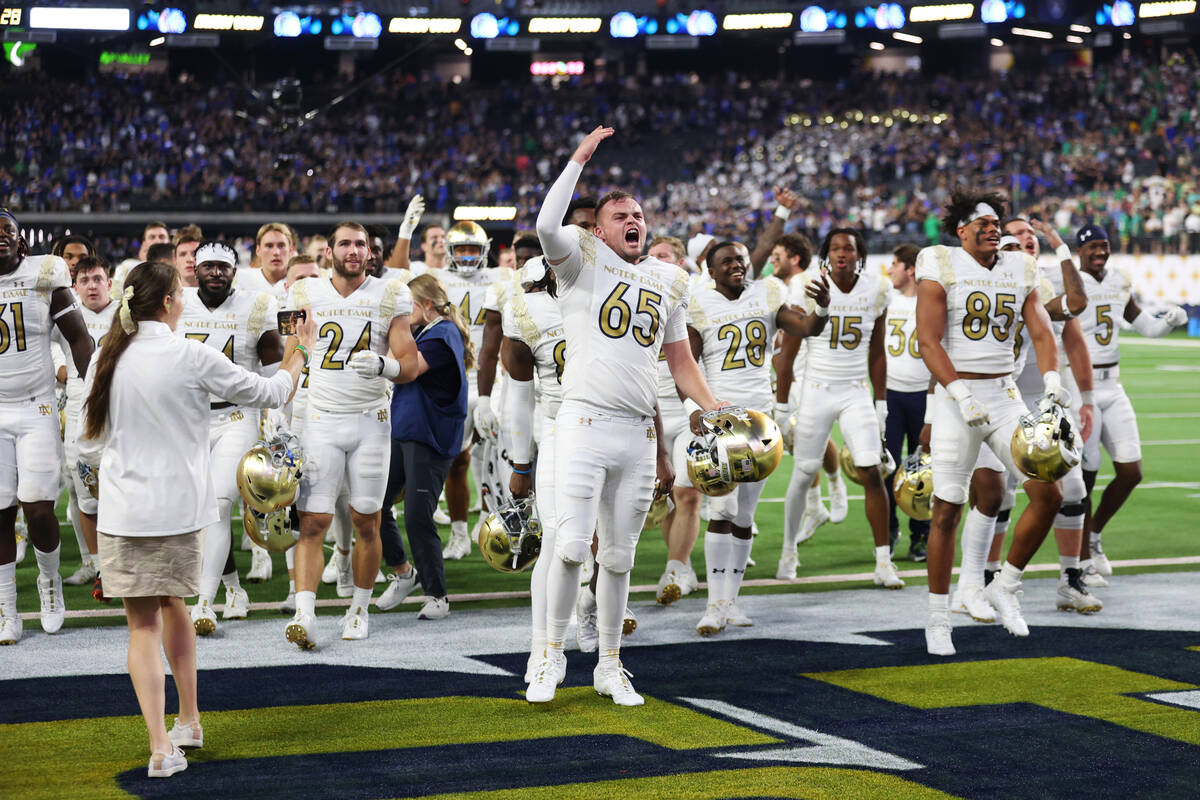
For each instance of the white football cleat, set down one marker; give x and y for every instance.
(380, 577)
(611, 679)
(814, 517)
(86, 574)
(839, 505)
(1007, 602)
(204, 618)
(970, 599)
(1093, 579)
(586, 634)
(435, 608)
(1074, 596)
(789, 563)
(886, 575)
(10, 626)
(458, 547)
(50, 594)
(354, 624)
(398, 588)
(1099, 560)
(938, 641)
(531, 665)
(735, 616)
(261, 568)
(440, 517)
(713, 621)
(302, 631)
(668, 590)
(345, 577)
(330, 573)
(550, 673)
(628, 622)
(288, 606)
(237, 603)
(690, 581)
(247, 543)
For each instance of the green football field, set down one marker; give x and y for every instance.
(1161, 377)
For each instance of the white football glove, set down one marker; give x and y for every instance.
(1175, 316)
(412, 217)
(1054, 389)
(783, 418)
(372, 365)
(485, 419)
(973, 413)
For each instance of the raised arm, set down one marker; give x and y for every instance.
(787, 201)
(1074, 299)
(412, 217)
(559, 243)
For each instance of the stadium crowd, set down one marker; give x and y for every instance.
(872, 152)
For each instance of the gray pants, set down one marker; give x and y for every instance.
(420, 472)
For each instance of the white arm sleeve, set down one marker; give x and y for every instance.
(1152, 327)
(518, 413)
(219, 376)
(559, 243)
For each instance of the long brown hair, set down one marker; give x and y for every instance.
(151, 282)
(428, 287)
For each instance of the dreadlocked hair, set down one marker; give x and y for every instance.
(428, 288)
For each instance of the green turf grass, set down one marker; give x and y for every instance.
(1164, 385)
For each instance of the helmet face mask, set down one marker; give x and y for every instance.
(268, 476)
(272, 531)
(704, 469)
(510, 539)
(748, 445)
(463, 236)
(1044, 445)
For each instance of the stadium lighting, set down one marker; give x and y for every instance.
(469, 52)
(623, 25)
(907, 37)
(940, 13)
(460, 44)
(228, 22)
(876, 46)
(1074, 39)
(157, 41)
(888, 16)
(486, 213)
(701, 23)
(756, 22)
(1081, 29)
(556, 68)
(1119, 13)
(424, 25)
(564, 24)
(1032, 33)
(1170, 8)
(997, 43)
(80, 19)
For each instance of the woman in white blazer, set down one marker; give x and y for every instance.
(146, 431)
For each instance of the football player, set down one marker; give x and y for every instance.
(347, 435)
(242, 325)
(185, 243)
(841, 356)
(91, 284)
(1110, 300)
(36, 298)
(71, 248)
(274, 248)
(154, 233)
(969, 301)
(433, 242)
(618, 312)
(907, 382)
(731, 326)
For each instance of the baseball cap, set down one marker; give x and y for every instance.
(697, 243)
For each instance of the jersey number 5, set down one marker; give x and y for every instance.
(616, 315)
(17, 333)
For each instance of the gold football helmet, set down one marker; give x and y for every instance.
(268, 476)
(703, 470)
(462, 235)
(659, 509)
(1044, 445)
(913, 486)
(510, 539)
(887, 464)
(749, 445)
(272, 531)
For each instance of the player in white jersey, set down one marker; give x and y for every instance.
(274, 248)
(969, 300)
(242, 325)
(347, 436)
(841, 357)
(1110, 300)
(154, 233)
(731, 326)
(682, 524)
(618, 311)
(92, 284)
(35, 297)
(907, 385)
(993, 492)
(467, 280)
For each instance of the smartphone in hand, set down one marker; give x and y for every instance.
(288, 320)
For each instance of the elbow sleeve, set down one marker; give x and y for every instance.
(519, 414)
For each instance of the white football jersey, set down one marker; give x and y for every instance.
(26, 365)
(617, 317)
(98, 324)
(346, 325)
(253, 280)
(535, 319)
(839, 351)
(983, 305)
(469, 291)
(906, 370)
(737, 336)
(1101, 320)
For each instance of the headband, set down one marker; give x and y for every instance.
(981, 210)
(216, 251)
(1006, 240)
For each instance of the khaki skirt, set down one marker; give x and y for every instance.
(150, 566)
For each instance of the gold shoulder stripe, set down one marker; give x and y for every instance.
(1031, 272)
(258, 315)
(45, 279)
(387, 304)
(945, 265)
(300, 293)
(587, 248)
(884, 291)
(523, 317)
(775, 293)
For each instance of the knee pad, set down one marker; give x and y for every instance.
(808, 467)
(1068, 522)
(573, 554)
(951, 494)
(618, 560)
(1073, 488)
(1002, 517)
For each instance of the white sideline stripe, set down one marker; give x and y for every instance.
(1177, 415)
(1098, 487)
(1176, 396)
(1139, 341)
(1162, 442)
(854, 577)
